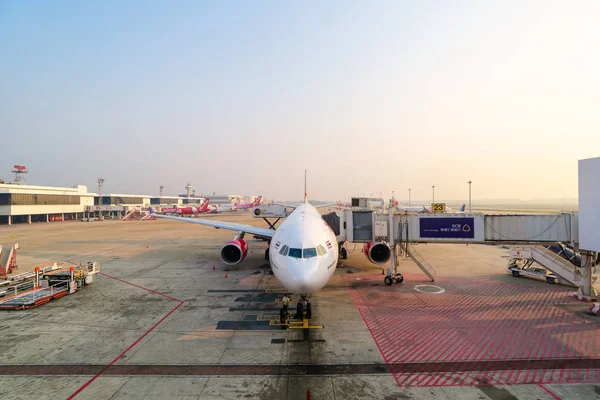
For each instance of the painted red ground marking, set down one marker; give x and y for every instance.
(550, 392)
(475, 321)
(180, 302)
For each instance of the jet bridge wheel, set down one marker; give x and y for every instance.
(516, 274)
(388, 280)
(551, 280)
(399, 278)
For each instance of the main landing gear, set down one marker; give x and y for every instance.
(398, 278)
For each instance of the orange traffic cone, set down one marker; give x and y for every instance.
(146, 246)
(214, 267)
(226, 276)
(308, 395)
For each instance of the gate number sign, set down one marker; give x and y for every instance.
(438, 208)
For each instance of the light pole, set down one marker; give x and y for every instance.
(469, 195)
(409, 197)
(100, 185)
(433, 191)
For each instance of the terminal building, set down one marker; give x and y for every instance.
(28, 203)
(118, 205)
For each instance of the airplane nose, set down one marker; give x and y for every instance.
(305, 277)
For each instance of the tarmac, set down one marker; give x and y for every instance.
(160, 322)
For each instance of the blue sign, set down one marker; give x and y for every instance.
(447, 228)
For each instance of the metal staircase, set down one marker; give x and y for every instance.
(553, 260)
(421, 262)
(8, 260)
(557, 264)
(133, 216)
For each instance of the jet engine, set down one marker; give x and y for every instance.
(234, 251)
(378, 252)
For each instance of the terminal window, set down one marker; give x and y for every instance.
(24, 199)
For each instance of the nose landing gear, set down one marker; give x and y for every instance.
(303, 309)
(303, 313)
(284, 318)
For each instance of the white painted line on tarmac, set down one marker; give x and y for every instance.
(428, 289)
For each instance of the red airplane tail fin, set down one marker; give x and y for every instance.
(204, 206)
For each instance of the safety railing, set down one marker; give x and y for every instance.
(556, 263)
(422, 263)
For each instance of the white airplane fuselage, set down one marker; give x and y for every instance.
(310, 255)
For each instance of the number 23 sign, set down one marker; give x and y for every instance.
(438, 208)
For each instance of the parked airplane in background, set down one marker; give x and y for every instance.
(247, 206)
(227, 207)
(203, 208)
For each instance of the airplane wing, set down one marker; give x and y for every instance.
(253, 230)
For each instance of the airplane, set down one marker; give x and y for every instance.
(227, 207)
(187, 210)
(303, 250)
(205, 208)
(247, 206)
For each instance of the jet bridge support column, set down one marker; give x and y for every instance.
(392, 272)
(391, 237)
(586, 291)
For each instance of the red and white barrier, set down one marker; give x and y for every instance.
(582, 297)
(595, 309)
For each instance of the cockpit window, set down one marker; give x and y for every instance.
(308, 253)
(284, 250)
(296, 253)
(321, 250)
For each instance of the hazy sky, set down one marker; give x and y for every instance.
(242, 96)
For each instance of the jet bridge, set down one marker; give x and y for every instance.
(401, 230)
(365, 226)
